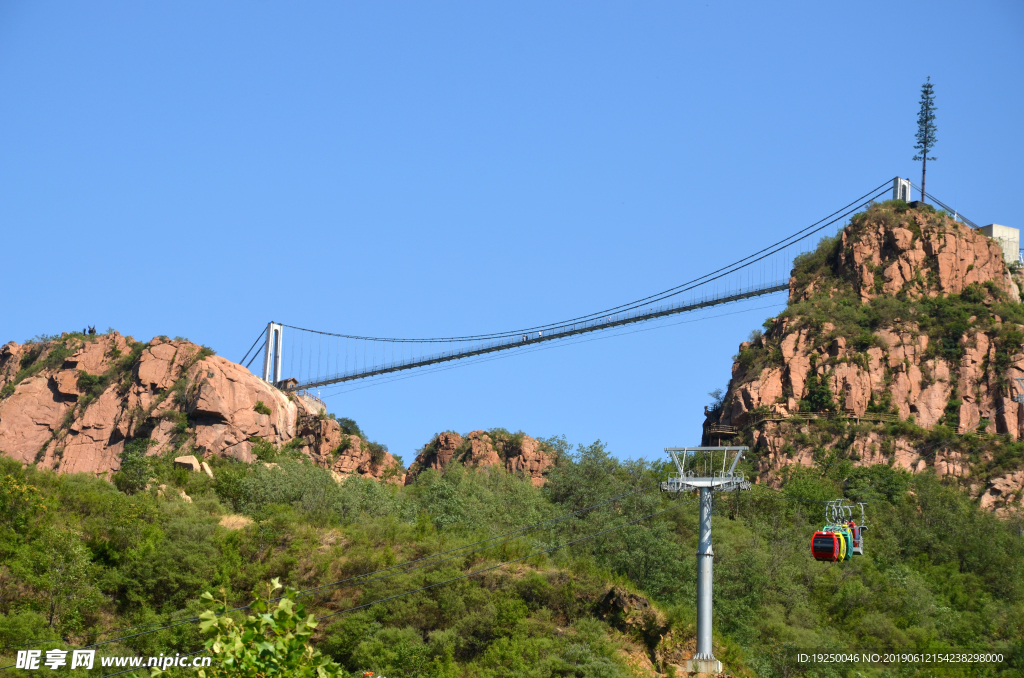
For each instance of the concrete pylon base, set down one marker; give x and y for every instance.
(703, 666)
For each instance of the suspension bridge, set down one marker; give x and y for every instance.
(318, 358)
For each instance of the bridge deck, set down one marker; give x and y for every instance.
(562, 332)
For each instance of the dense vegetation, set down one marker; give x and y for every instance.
(79, 556)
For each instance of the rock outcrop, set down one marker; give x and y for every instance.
(860, 338)
(518, 453)
(72, 403)
(920, 254)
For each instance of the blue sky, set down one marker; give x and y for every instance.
(423, 169)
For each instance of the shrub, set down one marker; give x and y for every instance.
(345, 444)
(819, 393)
(350, 427)
(91, 385)
(274, 641)
(377, 452)
(20, 503)
(264, 450)
(261, 408)
(505, 443)
(135, 467)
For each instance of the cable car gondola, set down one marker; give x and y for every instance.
(857, 532)
(840, 538)
(847, 542)
(826, 546)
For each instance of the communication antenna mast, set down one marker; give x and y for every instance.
(709, 481)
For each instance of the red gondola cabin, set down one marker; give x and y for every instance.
(825, 546)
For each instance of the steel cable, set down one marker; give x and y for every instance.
(709, 277)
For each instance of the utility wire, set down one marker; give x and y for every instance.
(946, 207)
(451, 355)
(492, 567)
(507, 537)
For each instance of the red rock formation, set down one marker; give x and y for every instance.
(915, 255)
(49, 419)
(479, 449)
(918, 253)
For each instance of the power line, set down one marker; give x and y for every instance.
(483, 570)
(501, 342)
(506, 538)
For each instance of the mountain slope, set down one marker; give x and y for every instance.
(900, 345)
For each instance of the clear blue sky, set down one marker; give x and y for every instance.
(416, 169)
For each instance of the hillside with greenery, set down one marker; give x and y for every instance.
(79, 557)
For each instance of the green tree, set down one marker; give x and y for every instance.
(58, 567)
(819, 394)
(20, 503)
(271, 642)
(925, 129)
(134, 472)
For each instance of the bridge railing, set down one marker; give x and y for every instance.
(809, 416)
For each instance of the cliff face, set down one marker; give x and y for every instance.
(71, 404)
(905, 313)
(518, 453)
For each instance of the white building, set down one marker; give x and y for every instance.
(1009, 240)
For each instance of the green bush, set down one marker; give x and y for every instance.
(350, 427)
(377, 452)
(135, 467)
(819, 394)
(274, 641)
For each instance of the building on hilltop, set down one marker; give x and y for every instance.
(1009, 240)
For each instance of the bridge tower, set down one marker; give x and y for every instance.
(272, 353)
(703, 460)
(901, 189)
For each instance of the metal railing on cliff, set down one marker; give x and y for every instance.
(878, 417)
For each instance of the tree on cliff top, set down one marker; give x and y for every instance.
(925, 129)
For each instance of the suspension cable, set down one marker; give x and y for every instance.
(714, 275)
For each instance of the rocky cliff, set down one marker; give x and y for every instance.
(904, 332)
(518, 453)
(70, 403)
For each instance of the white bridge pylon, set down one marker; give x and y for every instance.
(697, 474)
(272, 353)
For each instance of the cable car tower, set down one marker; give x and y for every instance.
(697, 474)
